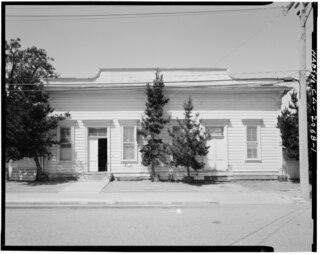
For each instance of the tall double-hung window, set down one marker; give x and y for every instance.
(129, 143)
(252, 140)
(65, 153)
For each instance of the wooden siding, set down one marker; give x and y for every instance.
(118, 105)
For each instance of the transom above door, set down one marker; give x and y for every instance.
(97, 132)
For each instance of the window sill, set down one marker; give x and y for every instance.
(65, 162)
(253, 161)
(129, 162)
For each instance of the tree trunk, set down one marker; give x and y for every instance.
(152, 170)
(153, 173)
(10, 168)
(39, 168)
(188, 171)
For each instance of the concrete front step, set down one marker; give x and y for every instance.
(85, 186)
(96, 176)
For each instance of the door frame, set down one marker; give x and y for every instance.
(88, 147)
(225, 135)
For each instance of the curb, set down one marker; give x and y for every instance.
(84, 204)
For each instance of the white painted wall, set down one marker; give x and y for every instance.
(117, 105)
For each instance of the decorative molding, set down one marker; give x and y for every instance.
(215, 121)
(67, 122)
(254, 121)
(128, 121)
(96, 122)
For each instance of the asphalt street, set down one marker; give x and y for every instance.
(284, 227)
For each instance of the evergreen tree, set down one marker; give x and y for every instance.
(29, 117)
(190, 141)
(155, 150)
(288, 123)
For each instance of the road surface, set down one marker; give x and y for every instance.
(284, 227)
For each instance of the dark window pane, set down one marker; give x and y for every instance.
(175, 129)
(102, 132)
(93, 132)
(65, 135)
(251, 133)
(65, 153)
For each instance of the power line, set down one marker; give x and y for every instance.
(199, 75)
(54, 7)
(238, 73)
(125, 88)
(145, 13)
(129, 15)
(170, 82)
(248, 39)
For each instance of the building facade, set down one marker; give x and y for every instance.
(100, 137)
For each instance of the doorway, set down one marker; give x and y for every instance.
(102, 154)
(98, 150)
(216, 159)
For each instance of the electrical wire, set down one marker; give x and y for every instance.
(170, 82)
(55, 7)
(141, 87)
(186, 76)
(120, 88)
(248, 39)
(234, 73)
(127, 15)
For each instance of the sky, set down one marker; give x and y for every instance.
(262, 42)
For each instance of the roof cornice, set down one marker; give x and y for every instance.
(101, 70)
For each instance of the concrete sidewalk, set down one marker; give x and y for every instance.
(156, 194)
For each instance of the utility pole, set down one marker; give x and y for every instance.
(303, 122)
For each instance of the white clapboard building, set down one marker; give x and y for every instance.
(100, 137)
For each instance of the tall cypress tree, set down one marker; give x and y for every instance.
(190, 141)
(154, 152)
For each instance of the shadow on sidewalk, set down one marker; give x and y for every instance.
(53, 182)
(41, 183)
(200, 184)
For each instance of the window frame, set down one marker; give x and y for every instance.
(98, 136)
(216, 127)
(71, 127)
(172, 139)
(172, 127)
(258, 158)
(135, 152)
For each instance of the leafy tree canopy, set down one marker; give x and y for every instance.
(29, 117)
